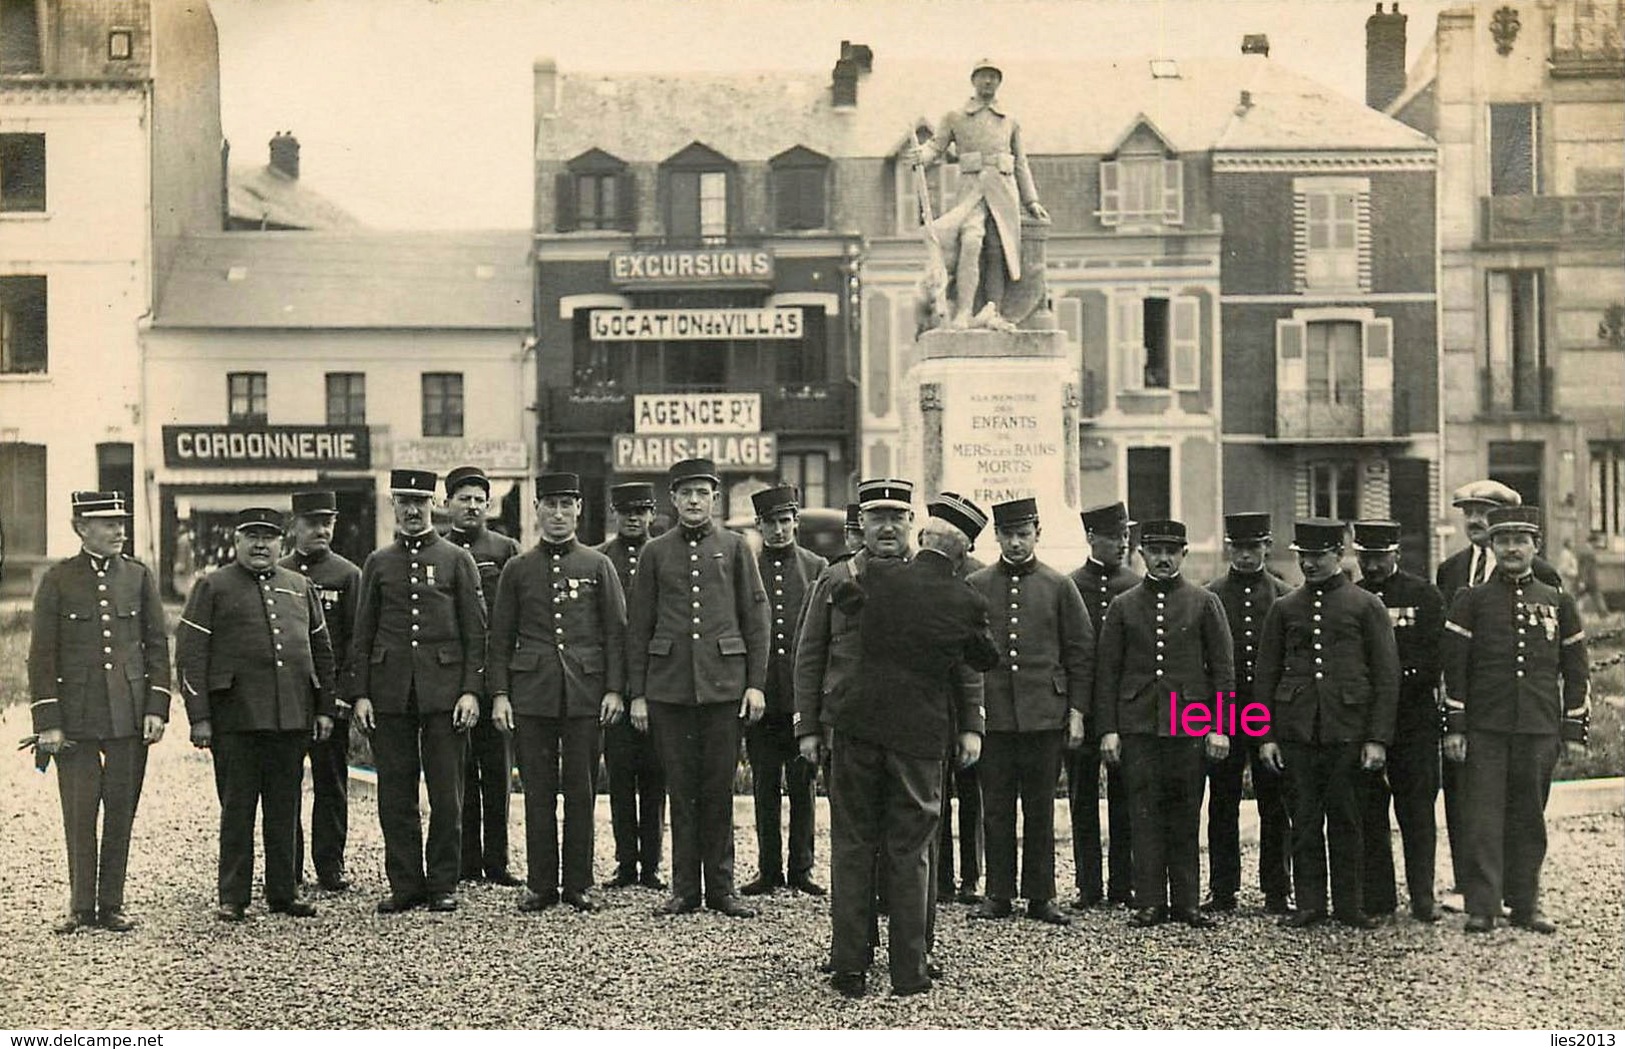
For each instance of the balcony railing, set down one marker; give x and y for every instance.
(1582, 219)
(805, 408)
(1511, 391)
(1367, 414)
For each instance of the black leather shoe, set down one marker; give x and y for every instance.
(1534, 922)
(293, 908)
(904, 990)
(580, 901)
(398, 904)
(991, 908)
(652, 881)
(115, 920)
(732, 906)
(333, 883)
(1219, 905)
(678, 905)
(230, 912)
(473, 874)
(536, 902)
(442, 902)
(968, 893)
(1146, 917)
(1121, 899)
(762, 886)
(1046, 911)
(505, 878)
(74, 921)
(623, 878)
(1359, 921)
(1277, 905)
(1303, 919)
(1194, 918)
(806, 885)
(1086, 901)
(1425, 912)
(850, 985)
(1480, 923)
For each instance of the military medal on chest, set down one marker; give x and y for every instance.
(429, 572)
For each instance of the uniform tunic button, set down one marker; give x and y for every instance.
(780, 651)
(1161, 643)
(778, 579)
(414, 564)
(778, 593)
(1317, 604)
(102, 587)
(558, 615)
(1159, 619)
(416, 627)
(417, 611)
(693, 542)
(694, 574)
(1317, 617)
(1159, 671)
(273, 615)
(1319, 676)
(104, 602)
(107, 633)
(1246, 619)
(696, 620)
(696, 604)
(106, 617)
(279, 662)
(1014, 669)
(1014, 620)
(1249, 633)
(1520, 659)
(414, 644)
(778, 637)
(695, 637)
(1520, 673)
(276, 630)
(561, 646)
(559, 631)
(414, 597)
(107, 666)
(279, 648)
(693, 589)
(1014, 635)
(413, 580)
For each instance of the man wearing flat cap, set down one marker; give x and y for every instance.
(1036, 702)
(697, 647)
(1411, 777)
(1247, 592)
(637, 787)
(788, 570)
(556, 672)
(98, 677)
(1517, 694)
(1328, 673)
(487, 783)
(1165, 646)
(256, 670)
(336, 580)
(417, 670)
(1100, 578)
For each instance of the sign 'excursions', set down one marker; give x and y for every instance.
(692, 265)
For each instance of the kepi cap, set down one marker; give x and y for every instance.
(1014, 512)
(91, 505)
(1376, 537)
(1106, 519)
(1250, 526)
(1162, 532)
(986, 63)
(693, 469)
(959, 512)
(772, 500)
(1316, 535)
(1486, 491)
(466, 475)
(632, 495)
(1515, 519)
(883, 492)
(854, 517)
(558, 484)
(259, 517)
(315, 503)
(412, 482)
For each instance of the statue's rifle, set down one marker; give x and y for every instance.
(936, 270)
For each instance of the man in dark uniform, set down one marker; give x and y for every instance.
(256, 671)
(1165, 647)
(336, 581)
(1328, 673)
(556, 671)
(1100, 579)
(1247, 591)
(963, 783)
(697, 646)
(1463, 569)
(418, 659)
(853, 531)
(1416, 610)
(1036, 703)
(788, 571)
(1517, 693)
(917, 624)
(637, 787)
(487, 782)
(98, 672)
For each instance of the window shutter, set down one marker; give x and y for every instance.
(1173, 192)
(564, 202)
(1291, 380)
(1377, 378)
(1187, 343)
(626, 202)
(683, 205)
(1069, 314)
(1111, 193)
(734, 195)
(814, 183)
(1130, 342)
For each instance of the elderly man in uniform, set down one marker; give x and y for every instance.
(336, 580)
(995, 183)
(1416, 610)
(1100, 579)
(918, 624)
(1517, 695)
(697, 647)
(417, 668)
(98, 672)
(1247, 592)
(1164, 648)
(1328, 673)
(637, 787)
(487, 783)
(556, 670)
(788, 571)
(1036, 702)
(256, 671)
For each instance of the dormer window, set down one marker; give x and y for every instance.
(596, 191)
(700, 190)
(1142, 182)
(800, 181)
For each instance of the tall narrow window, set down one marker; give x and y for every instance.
(22, 172)
(1514, 149)
(1334, 363)
(23, 491)
(808, 471)
(23, 345)
(246, 398)
(699, 187)
(1608, 492)
(713, 207)
(19, 37)
(1150, 488)
(595, 191)
(1515, 351)
(346, 398)
(1333, 489)
(442, 404)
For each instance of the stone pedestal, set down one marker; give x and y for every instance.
(994, 416)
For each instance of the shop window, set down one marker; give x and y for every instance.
(442, 404)
(22, 172)
(346, 398)
(800, 180)
(596, 191)
(1150, 484)
(1514, 149)
(24, 347)
(23, 495)
(808, 471)
(246, 396)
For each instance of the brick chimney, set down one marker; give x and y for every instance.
(855, 60)
(285, 153)
(1256, 44)
(1384, 57)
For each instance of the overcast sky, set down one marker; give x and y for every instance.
(417, 113)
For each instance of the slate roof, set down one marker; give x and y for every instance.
(350, 279)
(265, 195)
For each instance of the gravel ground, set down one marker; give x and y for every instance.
(487, 966)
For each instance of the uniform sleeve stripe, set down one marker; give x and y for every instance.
(160, 688)
(1451, 625)
(1454, 704)
(206, 630)
(1575, 638)
(319, 629)
(40, 703)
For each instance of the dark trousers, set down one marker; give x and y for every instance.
(258, 771)
(105, 776)
(775, 765)
(405, 747)
(966, 786)
(1024, 765)
(1323, 783)
(1083, 796)
(1507, 779)
(1164, 778)
(885, 802)
(1455, 821)
(545, 745)
(637, 797)
(487, 787)
(1412, 783)
(699, 749)
(1224, 825)
(330, 806)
